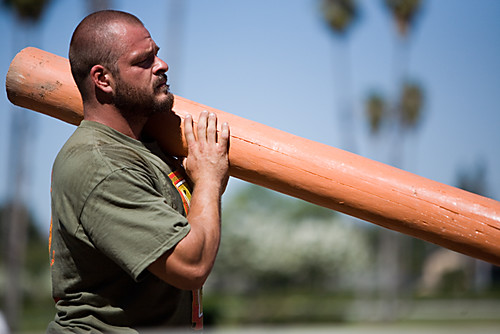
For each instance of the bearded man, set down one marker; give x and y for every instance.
(130, 244)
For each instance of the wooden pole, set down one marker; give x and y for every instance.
(320, 174)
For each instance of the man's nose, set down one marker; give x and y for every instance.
(161, 66)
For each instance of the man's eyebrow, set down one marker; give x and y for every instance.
(147, 52)
(153, 50)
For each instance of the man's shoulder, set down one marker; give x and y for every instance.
(79, 152)
(94, 145)
(95, 151)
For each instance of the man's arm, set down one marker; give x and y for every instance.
(189, 263)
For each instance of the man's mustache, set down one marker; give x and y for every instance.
(161, 79)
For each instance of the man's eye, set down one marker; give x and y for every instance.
(146, 62)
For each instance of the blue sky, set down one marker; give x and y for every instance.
(275, 62)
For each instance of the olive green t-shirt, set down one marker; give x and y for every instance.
(114, 212)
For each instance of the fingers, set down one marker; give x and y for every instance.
(202, 126)
(224, 136)
(188, 129)
(206, 129)
(212, 128)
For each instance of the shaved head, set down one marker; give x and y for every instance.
(95, 42)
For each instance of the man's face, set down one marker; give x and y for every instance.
(141, 87)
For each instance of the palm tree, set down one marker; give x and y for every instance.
(340, 16)
(27, 10)
(375, 110)
(410, 105)
(402, 115)
(404, 13)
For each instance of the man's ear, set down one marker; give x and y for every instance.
(101, 78)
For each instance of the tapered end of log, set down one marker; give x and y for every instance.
(29, 85)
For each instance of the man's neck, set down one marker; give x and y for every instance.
(116, 120)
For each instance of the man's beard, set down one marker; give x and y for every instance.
(135, 102)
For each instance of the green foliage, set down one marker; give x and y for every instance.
(274, 308)
(411, 102)
(407, 115)
(375, 110)
(27, 9)
(404, 13)
(339, 14)
(257, 199)
(275, 242)
(37, 309)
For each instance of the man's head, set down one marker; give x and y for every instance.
(113, 58)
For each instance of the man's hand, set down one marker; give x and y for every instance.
(207, 159)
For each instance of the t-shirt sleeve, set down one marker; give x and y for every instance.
(130, 221)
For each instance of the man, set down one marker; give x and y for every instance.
(130, 245)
